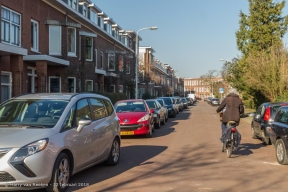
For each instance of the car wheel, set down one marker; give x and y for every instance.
(163, 121)
(166, 118)
(114, 155)
(265, 140)
(151, 130)
(158, 123)
(60, 175)
(281, 153)
(253, 133)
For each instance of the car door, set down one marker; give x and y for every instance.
(102, 127)
(161, 109)
(257, 119)
(282, 125)
(80, 143)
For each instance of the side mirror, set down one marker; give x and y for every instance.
(152, 111)
(83, 122)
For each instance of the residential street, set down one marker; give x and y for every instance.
(185, 155)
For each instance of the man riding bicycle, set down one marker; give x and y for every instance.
(233, 109)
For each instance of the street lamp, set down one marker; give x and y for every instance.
(137, 53)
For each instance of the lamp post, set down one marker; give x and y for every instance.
(137, 54)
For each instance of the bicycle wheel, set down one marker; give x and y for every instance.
(229, 149)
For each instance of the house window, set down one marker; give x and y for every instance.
(120, 63)
(84, 11)
(54, 40)
(89, 45)
(6, 84)
(100, 22)
(75, 3)
(93, 16)
(120, 88)
(111, 62)
(71, 85)
(34, 35)
(112, 88)
(101, 60)
(71, 41)
(10, 26)
(54, 85)
(108, 28)
(89, 85)
(127, 66)
(96, 58)
(32, 80)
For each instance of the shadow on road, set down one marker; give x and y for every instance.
(245, 149)
(131, 156)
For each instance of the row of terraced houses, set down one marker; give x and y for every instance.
(59, 46)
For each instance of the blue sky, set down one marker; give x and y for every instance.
(192, 35)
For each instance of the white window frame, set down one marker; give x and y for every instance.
(89, 80)
(51, 52)
(10, 23)
(33, 75)
(102, 60)
(7, 84)
(35, 36)
(91, 49)
(121, 88)
(113, 87)
(108, 62)
(55, 77)
(74, 91)
(96, 58)
(75, 44)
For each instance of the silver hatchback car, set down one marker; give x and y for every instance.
(46, 138)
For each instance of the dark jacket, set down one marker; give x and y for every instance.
(234, 107)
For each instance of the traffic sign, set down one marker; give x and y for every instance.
(221, 90)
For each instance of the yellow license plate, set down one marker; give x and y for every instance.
(127, 133)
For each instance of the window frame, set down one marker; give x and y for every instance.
(96, 58)
(102, 60)
(10, 28)
(109, 57)
(75, 44)
(112, 85)
(7, 84)
(74, 89)
(49, 83)
(37, 36)
(91, 47)
(89, 80)
(60, 35)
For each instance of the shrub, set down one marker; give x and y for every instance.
(114, 97)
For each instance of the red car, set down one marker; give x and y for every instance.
(135, 117)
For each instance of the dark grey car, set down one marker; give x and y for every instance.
(261, 123)
(159, 112)
(165, 106)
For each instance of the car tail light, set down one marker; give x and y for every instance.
(267, 114)
(233, 129)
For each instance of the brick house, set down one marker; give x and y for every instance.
(62, 46)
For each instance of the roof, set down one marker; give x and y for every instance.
(60, 96)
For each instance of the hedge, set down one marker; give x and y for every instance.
(114, 97)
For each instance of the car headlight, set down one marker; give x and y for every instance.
(29, 149)
(144, 118)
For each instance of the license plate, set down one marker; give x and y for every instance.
(127, 133)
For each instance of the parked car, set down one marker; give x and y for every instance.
(261, 123)
(180, 103)
(159, 112)
(48, 137)
(185, 102)
(135, 117)
(279, 135)
(190, 101)
(165, 106)
(172, 111)
(176, 104)
(214, 102)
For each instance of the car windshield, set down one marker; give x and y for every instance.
(167, 101)
(151, 104)
(31, 113)
(161, 102)
(184, 100)
(215, 99)
(130, 106)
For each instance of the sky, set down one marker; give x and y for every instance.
(192, 35)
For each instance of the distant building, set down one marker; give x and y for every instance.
(202, 87)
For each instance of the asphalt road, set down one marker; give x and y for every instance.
(185, 155)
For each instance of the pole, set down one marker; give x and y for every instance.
(136, 67)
